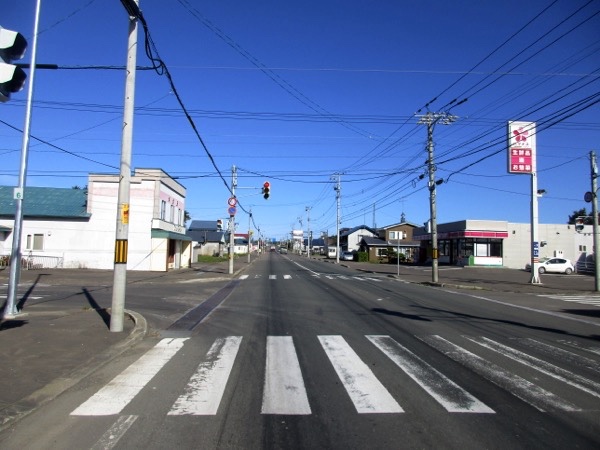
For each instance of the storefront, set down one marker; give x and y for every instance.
(468, 242)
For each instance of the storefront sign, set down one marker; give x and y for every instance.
(521, 147)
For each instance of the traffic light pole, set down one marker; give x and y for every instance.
(232, 221)
(10, 309)
(595, 217)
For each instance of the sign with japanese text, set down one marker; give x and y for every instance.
(521, 147)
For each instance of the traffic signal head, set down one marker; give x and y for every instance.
(219, 224)
(266, 190)
(12, 78)
(579, 224)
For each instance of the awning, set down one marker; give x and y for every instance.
(3, 228)
(164, 234)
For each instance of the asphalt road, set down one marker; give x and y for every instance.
(298, 353)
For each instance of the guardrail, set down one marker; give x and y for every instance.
(32, 262)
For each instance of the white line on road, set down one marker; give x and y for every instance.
(205, 389)
(284, 391)
(243, 277)
(272, 277)
(519, 387)
(287, 277)
(113, 397)
(365, 390)
(114, 433)
(447, 393)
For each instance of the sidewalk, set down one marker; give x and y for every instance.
(55, 344)
(52, 345)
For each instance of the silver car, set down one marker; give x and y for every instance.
(347, 256)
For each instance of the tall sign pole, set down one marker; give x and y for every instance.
(117, 312)
(10, 310)
(522, 160)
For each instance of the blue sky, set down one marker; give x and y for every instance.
(294, 92)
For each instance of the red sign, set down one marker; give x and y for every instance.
(521, 147)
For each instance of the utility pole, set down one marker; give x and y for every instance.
(10, 310)
(232, 220)
(431, 119)
(338, 195)
(595, 217)
(117, 312)
(249, 233)
(308, 226)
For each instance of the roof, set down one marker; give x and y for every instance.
(44, 202)
(377, 242)
(360, 227)
(203, 225)
(203, 236)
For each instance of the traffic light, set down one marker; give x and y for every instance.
(219, 224)
(579, 224)
(266, 190)
(12, 78)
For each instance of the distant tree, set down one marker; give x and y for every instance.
(581, 213)
(186, 217)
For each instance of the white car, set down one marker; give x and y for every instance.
(554, 265)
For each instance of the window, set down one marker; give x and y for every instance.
(393, 235)
(172, 214)
(583, 248)
(163, 210)
(35, 242)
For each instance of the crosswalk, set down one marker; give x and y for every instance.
(314, 275)
(529, 371)
(593, 300)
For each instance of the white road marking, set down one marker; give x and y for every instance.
(113, 397)
(287, 277)
(272, 277)
(365, 390)
(114, 433)
(284, 391)
(243, 277)
(577, 381)
(205, 389)
(525, 390)
(447, 393)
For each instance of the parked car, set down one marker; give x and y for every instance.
(347, 256)
(554, 265)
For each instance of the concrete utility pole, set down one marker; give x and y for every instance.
(595, 217)
(308, 226)
(117, 312)
(10, 310)
(338, 195)
(232, 220)
(430, 119)
(249, 233)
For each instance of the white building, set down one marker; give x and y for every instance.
(76, 228)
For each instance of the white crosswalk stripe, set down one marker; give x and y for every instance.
(285, 393)
(204, 391)
(593, 300)
(124, 387)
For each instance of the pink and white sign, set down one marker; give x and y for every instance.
(521, 147)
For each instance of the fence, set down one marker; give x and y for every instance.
(31, 261)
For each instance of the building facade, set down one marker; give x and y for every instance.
(503, 244)
(77, 227)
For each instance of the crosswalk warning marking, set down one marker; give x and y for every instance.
(365, 390)
(113, 397)
(205, 389)
(447, 393)
(284, 391)
(536, 396)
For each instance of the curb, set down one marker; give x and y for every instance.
(29, 404)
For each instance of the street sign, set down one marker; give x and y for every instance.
(588, 197)
(232, 201)
(232, 210)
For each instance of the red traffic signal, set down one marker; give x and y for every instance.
(266, 190)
